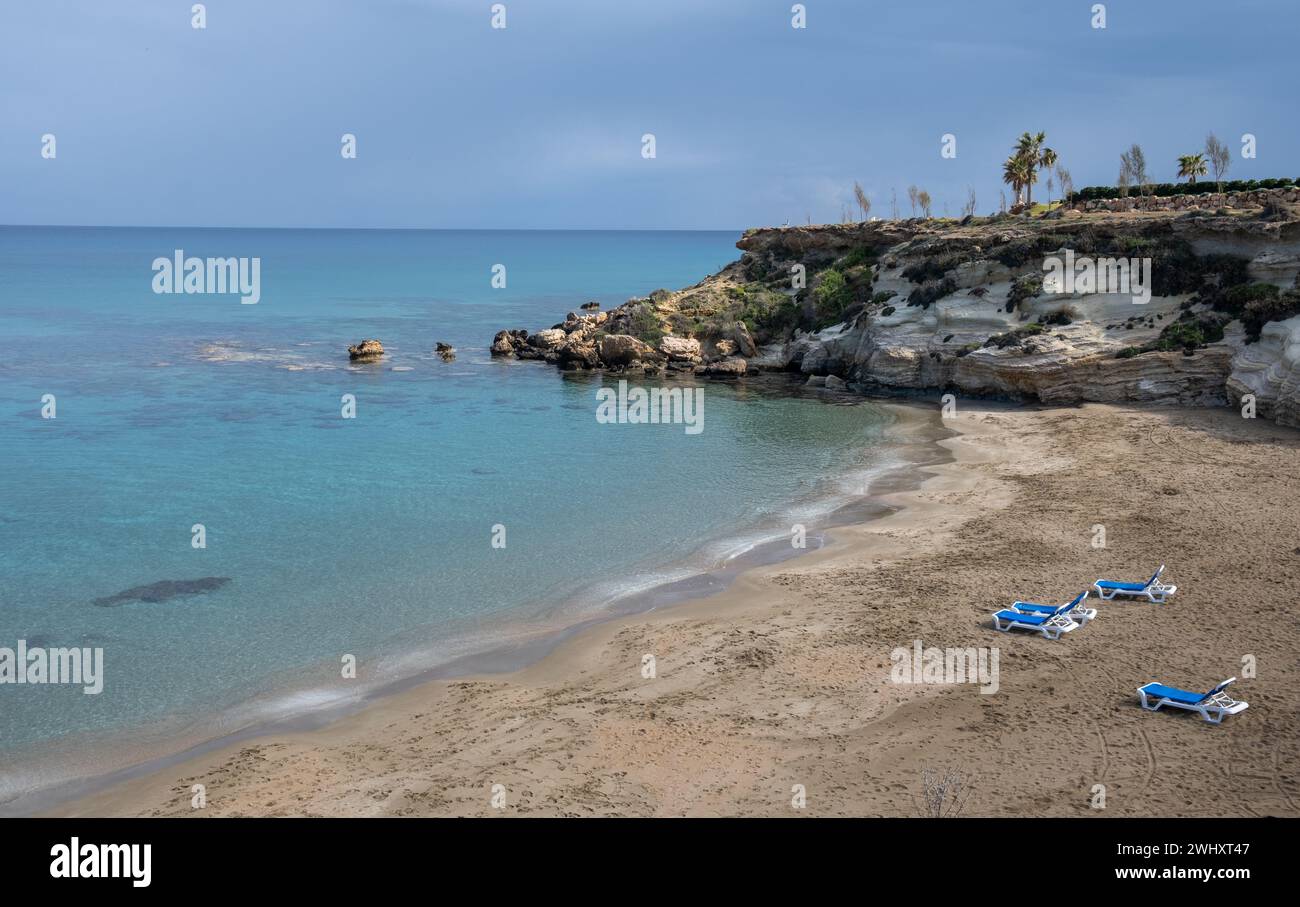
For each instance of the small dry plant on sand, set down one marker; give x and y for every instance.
(944, 794)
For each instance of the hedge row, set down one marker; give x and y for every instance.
(1095, 193)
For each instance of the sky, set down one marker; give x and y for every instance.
(539, 125)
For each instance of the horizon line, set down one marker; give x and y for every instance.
(386, 229)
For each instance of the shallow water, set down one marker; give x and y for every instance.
(327, 537)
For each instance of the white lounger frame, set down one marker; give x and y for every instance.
(1221, 704)
(1051, 629)
(1154, 591)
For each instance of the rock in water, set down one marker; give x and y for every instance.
(366, 350)
(446, 351)
(589, 306)
(623, 350)
(163, 590)
(733, 367)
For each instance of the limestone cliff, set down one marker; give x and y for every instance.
(903, 306)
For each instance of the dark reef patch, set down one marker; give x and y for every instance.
(163, 590)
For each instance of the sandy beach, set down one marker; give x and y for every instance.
(784, 678)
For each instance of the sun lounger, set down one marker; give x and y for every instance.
(1213, 706)
(1152, 589)
(1051, 625)
(1082, 615)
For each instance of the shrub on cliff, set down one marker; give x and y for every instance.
(931, 268)
(929, 293)
(831, 297)
(1275, 308)
(1237, 298)
(1188, 333)
(1015, 339)
(644, 325)
(862, 255)
(1026, 287)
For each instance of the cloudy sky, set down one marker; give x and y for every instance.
(539, 125)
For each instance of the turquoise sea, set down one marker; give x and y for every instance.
(325, 536)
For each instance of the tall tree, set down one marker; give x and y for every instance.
(923, 199)
(1030, 147)
(864, 203)
(1219, 156)
(912, 196)
(1067, 183)
(1016, 173)
(1134, 163)
(1191, 166)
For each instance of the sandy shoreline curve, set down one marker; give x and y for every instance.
(898, 460)
(781, 682)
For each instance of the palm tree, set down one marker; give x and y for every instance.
(1016, 172)
(1030, 147)
(1191, 166)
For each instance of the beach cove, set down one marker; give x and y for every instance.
(782, 680)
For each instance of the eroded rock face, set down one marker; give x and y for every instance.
(624, 350)
(507, 343)
(579, 352)
(366, 350)
(548, 339)
(683, 349)
(1270, 370)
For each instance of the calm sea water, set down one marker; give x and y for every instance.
(368, 536)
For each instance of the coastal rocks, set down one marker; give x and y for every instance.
(963, 307)
(735, 367)
(578, 352)
(549, 339)
(446, 352)
(624, 350)
(744, 342)
(680, 350)
(366, 351)
(507, 343)
(590, 306)
(1270, 370)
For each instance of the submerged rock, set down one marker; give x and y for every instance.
(163, 590)
(366, 350)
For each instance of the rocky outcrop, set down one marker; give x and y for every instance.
(624, 350)
(923, 305)
(508, 343)
(681, 352)
(734, 367)
(1270, 371)
(366, 351)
